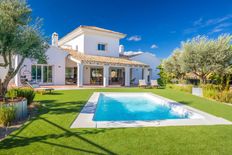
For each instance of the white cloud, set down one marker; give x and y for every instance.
(130, 53)
(223, 25)
(217, 20)
(154, 46)
(219, 24)
(215, 30)
(135, 38)
(220, 27)
(198, 22)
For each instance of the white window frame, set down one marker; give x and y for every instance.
(42, 74)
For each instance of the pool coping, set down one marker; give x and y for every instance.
(85, 118)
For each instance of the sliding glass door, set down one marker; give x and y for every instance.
(116, 76)
(47, 74)
(41, 73)
(96, 76)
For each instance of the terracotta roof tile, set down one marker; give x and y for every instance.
(103, 59)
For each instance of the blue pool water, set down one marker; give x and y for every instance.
(134, 107)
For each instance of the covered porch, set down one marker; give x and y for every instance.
(88, 70)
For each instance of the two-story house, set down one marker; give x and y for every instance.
(86, 56)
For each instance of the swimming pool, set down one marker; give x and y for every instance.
(112, 110)
(126, 107)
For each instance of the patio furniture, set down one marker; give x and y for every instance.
(41, 90)
(154, 83)
(142, 83)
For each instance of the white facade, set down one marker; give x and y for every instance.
(151, 60)
(62, 68)
(55, 59)
(77, 43)
(3, 71)
(92, 40)
(86, 41)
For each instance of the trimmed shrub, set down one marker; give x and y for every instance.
(12, 93)
(7, 115)
(27, 93)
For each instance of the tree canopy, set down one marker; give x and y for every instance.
(201, 56)
(19, 35)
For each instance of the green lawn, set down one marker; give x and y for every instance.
(49, 133)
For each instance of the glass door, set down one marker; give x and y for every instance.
(116, 76)
(41, 74)
(96, 76)
(36, 73)
(47, 74)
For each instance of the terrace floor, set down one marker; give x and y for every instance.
(73, 87)
(50, 132)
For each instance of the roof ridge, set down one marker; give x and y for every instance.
(95, 28)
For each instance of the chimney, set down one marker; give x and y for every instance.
(121, 49)
(55, 39)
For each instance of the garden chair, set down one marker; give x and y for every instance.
(39, 89)
(154, 83)
(142, 83)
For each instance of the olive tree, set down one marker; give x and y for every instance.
(18, 36)
(223, 59)
(172, 65)
(202, 56)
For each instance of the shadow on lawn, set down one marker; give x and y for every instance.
(19, 141)
(54, 107)
(185, 102)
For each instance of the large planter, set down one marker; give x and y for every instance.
(20, 109)
(197, 91)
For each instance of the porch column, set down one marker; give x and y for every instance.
(127, 76)
(145, 74)
(105, 75)
(79, 75)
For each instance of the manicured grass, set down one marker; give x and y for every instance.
(49, 133)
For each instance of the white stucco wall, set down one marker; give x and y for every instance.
(147, 58)
(3, 70)
(91, 44)
(76, 42)
(87, 43)
(56, 58)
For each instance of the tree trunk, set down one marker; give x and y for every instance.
(3, 88)
(227, 86)
(10, 74)
(203, 79)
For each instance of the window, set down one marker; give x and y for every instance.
(41, 73)
(101, 47)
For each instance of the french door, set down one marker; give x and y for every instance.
(96, 76)
(42, 73)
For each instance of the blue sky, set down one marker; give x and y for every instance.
(156, 26)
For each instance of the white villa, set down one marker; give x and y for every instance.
(88, 56)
